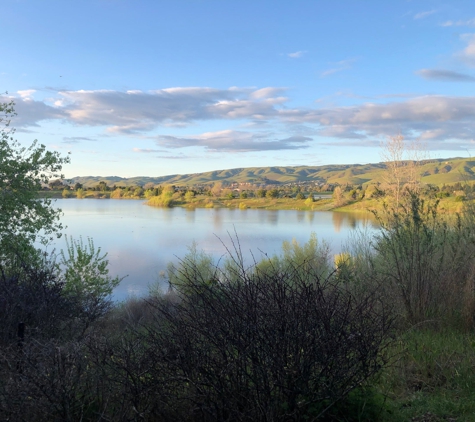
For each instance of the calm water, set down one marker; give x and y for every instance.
(141, 240)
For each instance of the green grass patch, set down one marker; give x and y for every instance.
(433, 379)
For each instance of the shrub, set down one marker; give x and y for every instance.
(66, 193)
(117, 193)
(272, 193)
(46, 370)
(189, 195)
(309, 201)
(283, 343)
(86, 272)
(261, 193)
(424, 262)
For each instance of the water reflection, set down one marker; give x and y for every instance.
(142, 240)
(310, 216)
(217, 219)
(190, 215)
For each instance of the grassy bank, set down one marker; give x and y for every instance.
(433, 378)
(447, 205)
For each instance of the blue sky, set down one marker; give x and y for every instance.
(157, 87)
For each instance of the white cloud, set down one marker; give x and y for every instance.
(265, 93)
(30, 112)
(453, 116)
(435, 117)
(296, 55)
(468, 22)
(338, 67)
(148, 151)
(422, 15)
(235, 141)
(76, 139)
(137, 111)
(468, 54)
(26, 94)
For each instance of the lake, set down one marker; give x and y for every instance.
(141, 240)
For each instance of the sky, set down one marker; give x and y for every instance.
(160, 87)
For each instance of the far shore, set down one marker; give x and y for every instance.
(322, 202)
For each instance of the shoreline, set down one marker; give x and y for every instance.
(366, 206)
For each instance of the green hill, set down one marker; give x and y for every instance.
(435, 171)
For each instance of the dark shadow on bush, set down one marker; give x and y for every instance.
(264, 345)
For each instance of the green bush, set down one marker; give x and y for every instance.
(284, 339)
(424, 261)
(86, 272)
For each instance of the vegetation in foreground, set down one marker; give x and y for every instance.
(384, 331)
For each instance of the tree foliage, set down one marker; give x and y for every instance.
(24, 218)
(86, 270)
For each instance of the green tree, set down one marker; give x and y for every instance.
(272, 193)
(138, 192)
(86, 271)
(216, 189)
(338, 196)
(25, 219)
(261, 193)
(66, 193)
(56, 184)
(117, 193)
(189, 195)
(102, 186)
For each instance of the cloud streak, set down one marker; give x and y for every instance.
(296, 55)
(234, 141)
(76, 139)
(338, 67)
(468, 22)
(468, 54)
(444, 75)
(422, 15)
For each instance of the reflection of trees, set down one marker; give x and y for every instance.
(190, 215)
(168, 214)
(353, 220)
(217, 219)
(272, 217)
(310, 216)
(337, 221)
(300, 217)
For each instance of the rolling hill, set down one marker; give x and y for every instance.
(434, 171)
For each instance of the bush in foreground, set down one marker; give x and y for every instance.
(256, 345)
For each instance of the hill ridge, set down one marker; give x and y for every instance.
(435, 171)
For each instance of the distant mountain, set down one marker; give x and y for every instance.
(436, 171)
